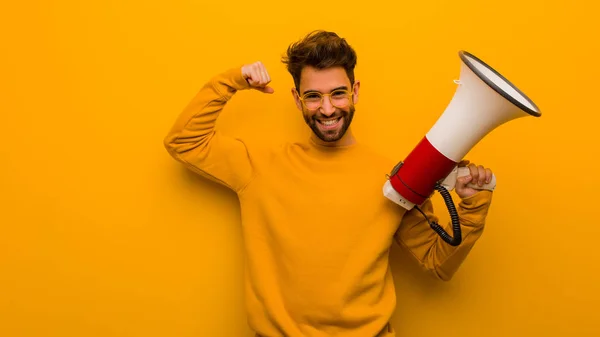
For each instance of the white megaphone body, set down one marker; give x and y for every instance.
(483, 101)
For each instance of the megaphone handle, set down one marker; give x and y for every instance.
(464, 171)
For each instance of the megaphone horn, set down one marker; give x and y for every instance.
(483, 100)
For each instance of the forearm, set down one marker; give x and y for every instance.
(429, 249)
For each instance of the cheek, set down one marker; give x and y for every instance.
(308, 114)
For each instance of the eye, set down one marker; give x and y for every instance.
(339, 93)
(312, 97)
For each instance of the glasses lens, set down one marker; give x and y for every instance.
(312, 100)
(340, 98)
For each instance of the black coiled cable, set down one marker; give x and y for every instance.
(457, 239)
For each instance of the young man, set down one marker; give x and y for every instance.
(316, 226)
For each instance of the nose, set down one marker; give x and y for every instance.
(327, 108)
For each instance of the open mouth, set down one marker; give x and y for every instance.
(329, 123)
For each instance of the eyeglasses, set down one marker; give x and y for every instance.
(339, 98)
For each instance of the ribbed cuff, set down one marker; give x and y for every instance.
(474, 209)
(229, 82)
(236, 78)
(477, 200)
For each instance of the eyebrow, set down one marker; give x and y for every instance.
(334, 89)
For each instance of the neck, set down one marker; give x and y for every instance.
(346, 140)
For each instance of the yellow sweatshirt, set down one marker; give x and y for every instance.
(316, 227)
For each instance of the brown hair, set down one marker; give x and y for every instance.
(320, 49)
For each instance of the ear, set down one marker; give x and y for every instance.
(356, 89)
(297, 99)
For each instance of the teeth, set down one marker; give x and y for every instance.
(329, 122)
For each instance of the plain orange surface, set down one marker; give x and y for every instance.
(103, 234)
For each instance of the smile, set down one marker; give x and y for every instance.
(330, 123)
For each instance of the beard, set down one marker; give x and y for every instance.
(332, 135)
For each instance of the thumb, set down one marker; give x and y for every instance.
(464, 162)
(463, 181)
(266, 90)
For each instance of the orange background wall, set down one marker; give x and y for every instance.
(103, 234)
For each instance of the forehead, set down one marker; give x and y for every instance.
(323, 80)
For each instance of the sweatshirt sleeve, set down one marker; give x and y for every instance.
(194, 141)
(430, 250)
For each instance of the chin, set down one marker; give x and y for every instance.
(330, 136)
(334, 135)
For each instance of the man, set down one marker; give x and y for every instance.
(317, 229)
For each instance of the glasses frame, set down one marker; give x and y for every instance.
(303, 97)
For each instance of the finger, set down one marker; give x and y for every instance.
(260, 70)
(461, 182)
(257, 72)
(474, 173)
(251, 76)
(463, 162)
(488, 176)
(481, 175)
(258, 81)
(266, 73)
(250, 72)
(263, 73)
(264, 76)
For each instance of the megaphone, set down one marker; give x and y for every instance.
(483, 100)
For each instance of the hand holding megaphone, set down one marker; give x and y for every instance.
(468, 178)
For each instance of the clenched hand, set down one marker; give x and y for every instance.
(258, 77)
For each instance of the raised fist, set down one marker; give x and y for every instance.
(257, 76)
